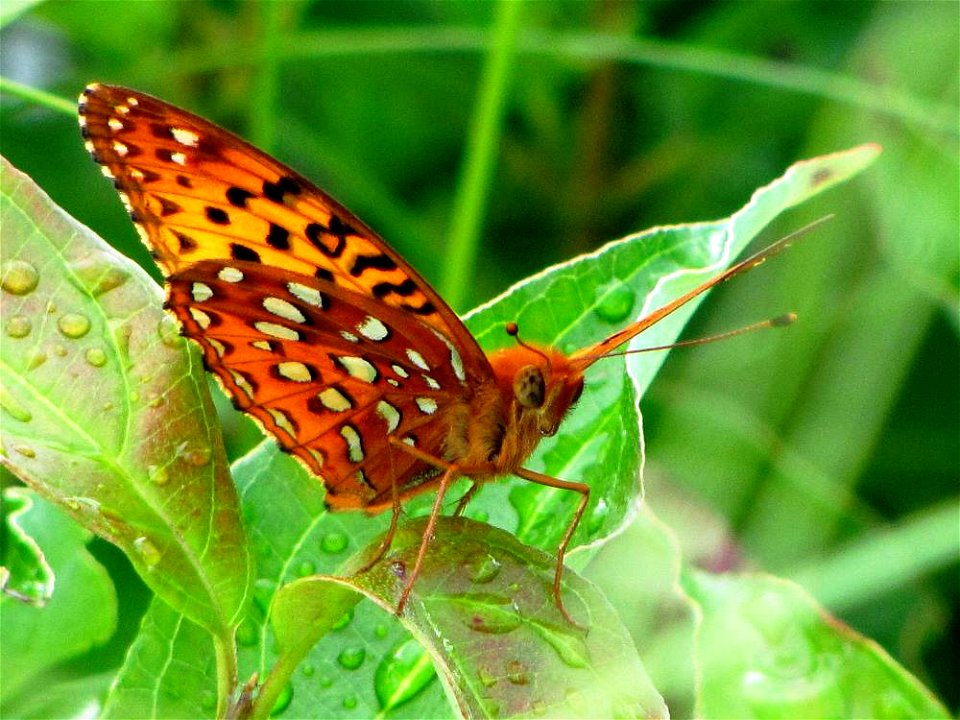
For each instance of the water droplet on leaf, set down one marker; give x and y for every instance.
(158, 474)
(402, 673)
(147, 551)
(352, 658)
(334, 542)
(283, 700)
(19, 277)
(14, 407)
(517, 672)
(19, 326)
(481, 567)
(73, 325)
(350, 702)
(615, 301)
(96, 357)
(306, 568)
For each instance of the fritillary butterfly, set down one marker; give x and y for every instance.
(321, 332)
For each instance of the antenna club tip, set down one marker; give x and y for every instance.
(511, 329)
(784, 320)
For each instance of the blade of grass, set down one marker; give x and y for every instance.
(483, 142)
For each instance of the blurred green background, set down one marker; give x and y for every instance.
(828, 452)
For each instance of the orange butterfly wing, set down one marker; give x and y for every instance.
(311, 322)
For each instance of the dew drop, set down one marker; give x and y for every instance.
(73, 325)
(96, 357)
(402, 674)
(198, 456)
(147, 551)
(381, 631)
(486, 678)
(517, 672)
(352, 658)
(334, 542)
(247, 634)
(36, 359)
(60, 350)
(325, 681)
(28, 452)
(283, 700)
(19, 326)
(97, 276)
(306, 568)
(490, 614)
(51, 307)
(263, 590)
(614, 302)
(19, 277)
(158, 475)
(481, 567)
(14, 407)
(350, 702)
(343, 621)
(308, 670)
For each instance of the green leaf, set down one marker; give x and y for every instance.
(80, 614)
(169, 671)
(483, 607)
(106, 410)
(25, 574)
(766, 649)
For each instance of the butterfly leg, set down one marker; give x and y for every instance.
(388, 538)
(584, 491)
(448, 476)
(467, 497)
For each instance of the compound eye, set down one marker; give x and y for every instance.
(529, 387)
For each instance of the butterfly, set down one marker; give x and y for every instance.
(323, 334)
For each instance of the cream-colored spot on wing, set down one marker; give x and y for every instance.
(358, 368)
(390, 415)
(334, 400)
(354, 446)
(296, 371)
(283, 309)
(201, 318)
(373, 329)
(200, 292)
(185, 137)
(428, 406)
(281, 332)
(417, 359)
(282, 421)
(309, 295)
(230, 274)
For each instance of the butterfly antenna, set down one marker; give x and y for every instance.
(776, 322)
(513, 330)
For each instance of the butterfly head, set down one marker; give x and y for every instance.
(540, 384)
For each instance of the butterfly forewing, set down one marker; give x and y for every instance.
(313, 325)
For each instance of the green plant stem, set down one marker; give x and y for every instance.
(226, 652)
(266, 79)
(884, 560)
(38, 97)
(482, 145)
